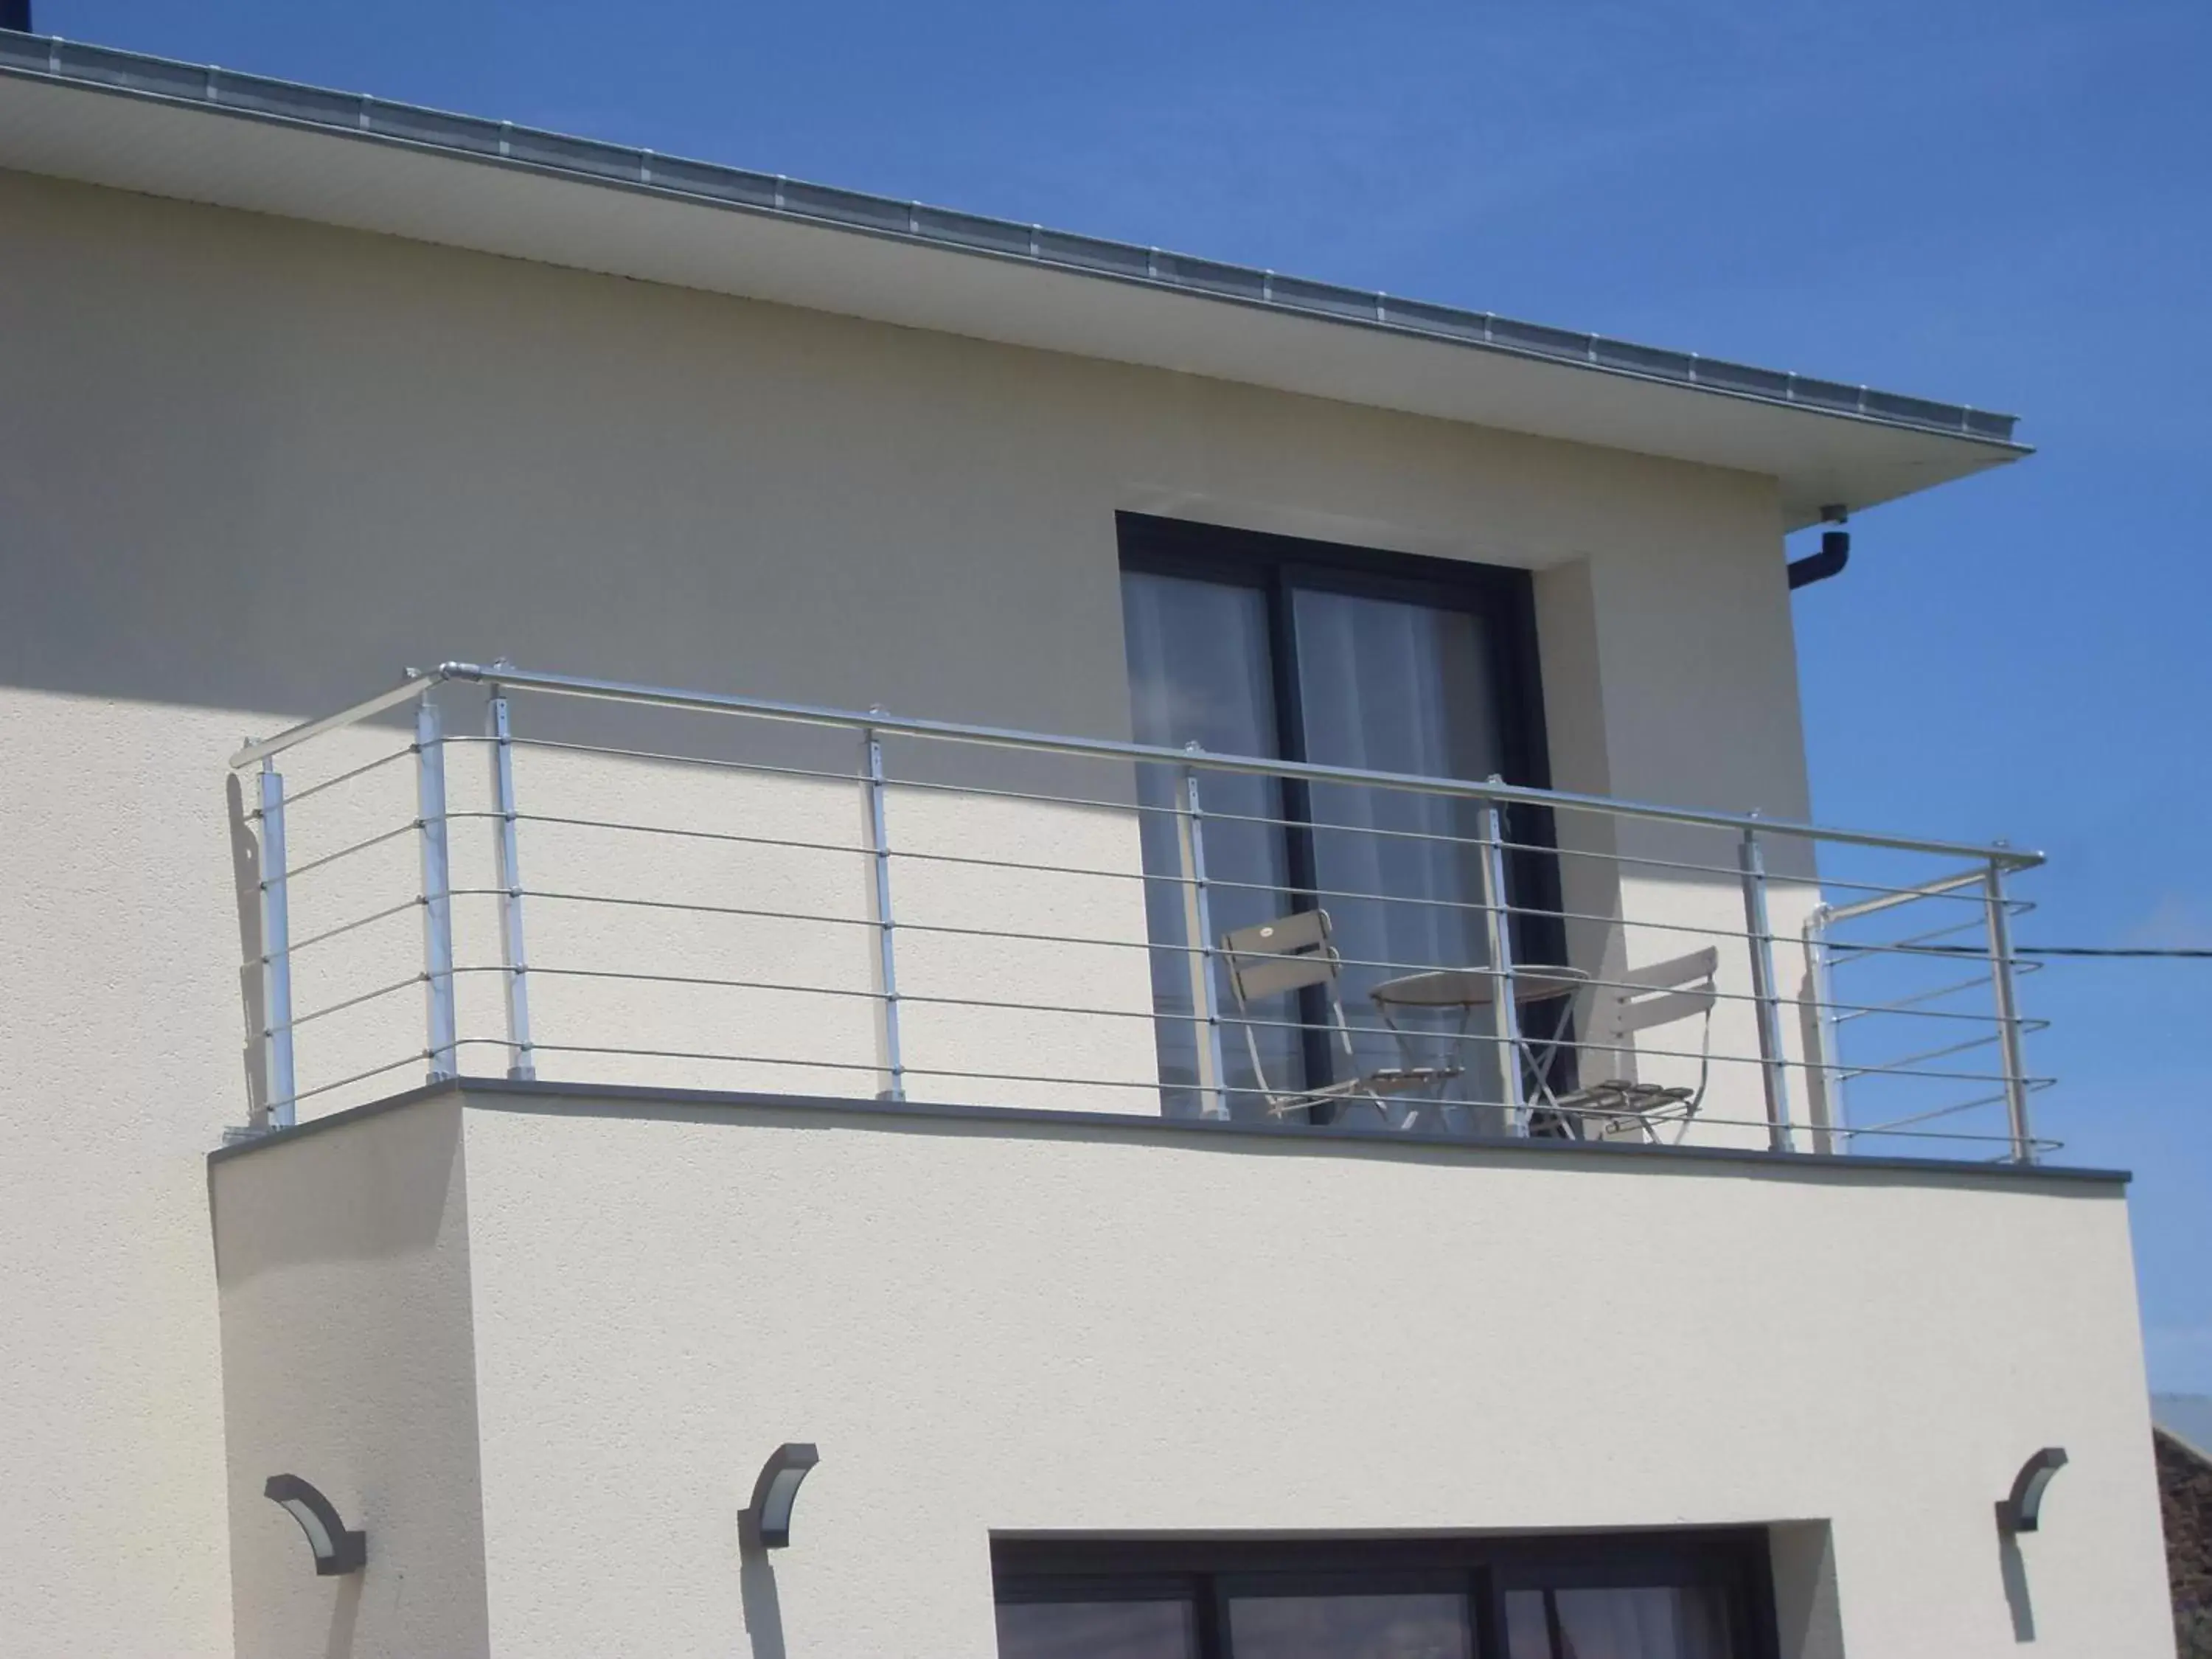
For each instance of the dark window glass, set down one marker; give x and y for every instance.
(1643, 1621)
(1527, 1632)
(1200, 671)
(1350, 1627)
(1663, 1621)
(1700, 1594)
(1246, 645)
(1096, 1630)
(1390, 686)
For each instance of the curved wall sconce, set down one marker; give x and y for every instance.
(766, 1522)
(337, 1551)
(2021, 1511)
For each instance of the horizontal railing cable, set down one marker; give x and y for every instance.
(1730, 873)
(2138, 952)
(298, 1020)
(512, 679)
(769, 770)
(1894, 1124)
(660, 756)
(508, 679)
(292, 872)
(293, 797)
(1906, 1005)
(1781, 879)
(850, 850)
(847, 849)
(1088, 803)
(1055, 799)
(1154, 1084)
(989, 936)
(344, 927)
(1179, 1016)
(1898, 1066)
(293, 1099)
(1080, 941)
(1845, 949)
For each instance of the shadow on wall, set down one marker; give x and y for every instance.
(245, 871)
(651, 515)
(2013, 1566)
(346, 1614)
(1808, 1613)
(764, 1611)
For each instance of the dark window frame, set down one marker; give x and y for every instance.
(1502, 599)
(1484, 1569)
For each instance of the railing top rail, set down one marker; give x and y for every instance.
(292, 736)
(571, 685)
(1880, 902)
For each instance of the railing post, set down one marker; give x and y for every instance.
(1498, 919)
(1198, 935)
(437, 891)
(521, 1062)
(2001, 979)
(1824, 1073)
(279, 1089)
(879, 849)
(1753, 862)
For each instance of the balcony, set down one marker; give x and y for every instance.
(928, 1092)
(596, 884)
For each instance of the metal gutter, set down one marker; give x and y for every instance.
(501, 143)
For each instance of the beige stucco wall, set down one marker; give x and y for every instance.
(1073, 1327)
(349, 1358)
(249, 468)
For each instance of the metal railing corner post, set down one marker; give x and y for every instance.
(1825, 1112)
(514, 963)
(1497, 919)
(279, 1086)
(1198, 931)
(2003, 985)
(879, 849)
(440, 1039)
(1752, 861)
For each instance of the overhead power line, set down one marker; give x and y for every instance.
(2200, 953)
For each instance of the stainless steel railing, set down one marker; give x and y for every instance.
(996, 975)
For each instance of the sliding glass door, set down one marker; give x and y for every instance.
(1201, 670)
(1264, 646)
(1398, 685)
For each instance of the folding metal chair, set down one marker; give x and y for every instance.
(1287, 955)
(1621, 1107)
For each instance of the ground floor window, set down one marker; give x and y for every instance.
(1672, 1596)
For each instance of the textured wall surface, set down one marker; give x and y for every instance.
(348, 1360)
(249, 470)
(1042, 1327)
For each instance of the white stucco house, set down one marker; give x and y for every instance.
(657, 815)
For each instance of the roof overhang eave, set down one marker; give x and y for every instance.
(655, 230)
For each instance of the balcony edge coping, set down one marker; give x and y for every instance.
(504, 1094)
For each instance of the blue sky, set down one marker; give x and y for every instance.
(2004, 205)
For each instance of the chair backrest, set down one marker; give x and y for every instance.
(1287, 954)
(1657, 996)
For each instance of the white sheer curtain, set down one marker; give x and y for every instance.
(1657, 1621)
(1660, 1622)
(1201, 670)
(1384, 684)
(1390, 686)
